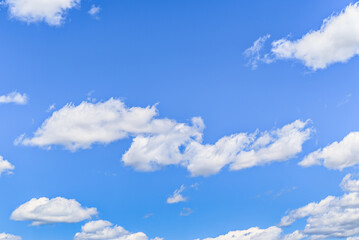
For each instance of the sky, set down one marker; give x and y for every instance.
(179, 120)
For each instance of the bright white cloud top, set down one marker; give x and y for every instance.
(336, 41)
(5, 236)
(52, 12)
(255, 233)
(57, 210)
(105, 230)
(177, 196)
(5, 166)
(160, 142)
(14, 97)
(338, 155)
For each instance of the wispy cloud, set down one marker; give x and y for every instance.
(254, 53)
(186, 212)
(177, 196)
(94, 11)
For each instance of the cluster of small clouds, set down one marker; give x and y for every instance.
(159, 142)
(61, 210)
(336, 41)
(16, 98)
(330, 218)
(6, 166)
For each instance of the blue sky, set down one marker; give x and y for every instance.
(149, 96)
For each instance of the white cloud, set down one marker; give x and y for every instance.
(247, 150)
(253, 53)
(337, 155)
(255, 233)
(14, 97)
(336, 41)
(104, 230)
(177, 196)
(296, 235)
(78, 127)
(52, 12)
(94, 10)
(5, 236)
(350, 185)
(148, 152)
(161, 142)
(5, 166)
(332, 217)
(57, 210)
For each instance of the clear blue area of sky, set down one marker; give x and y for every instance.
(187, 56)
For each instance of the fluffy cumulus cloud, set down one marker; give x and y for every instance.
(255, 233)
(5, 236)
(160, 142)
(332, 217)
(245, 150)
(57, 210)
(52, 12)
(349, 184)
(177, 196)
(78, 127)
(336, 41)
(14, 97)
(337, 155)
(5, 166)
(148, 152)
(104, 230)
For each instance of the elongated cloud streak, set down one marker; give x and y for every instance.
(159, 142)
